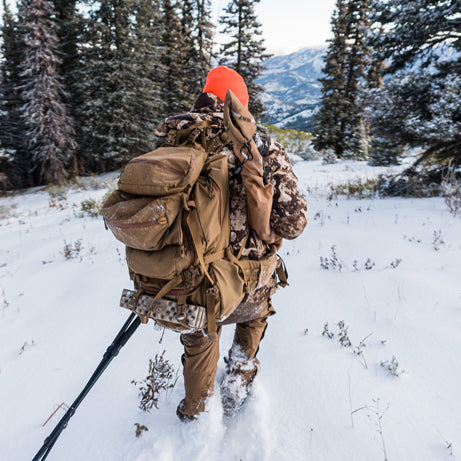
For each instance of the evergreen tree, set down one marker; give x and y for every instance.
(175, 55)
(121, 98)
(11, 123)
(416, 30)
(204, 40)
(339, 124)
(197, 36)
(245, 51)
(333, 102)
(70, 23)
(50, 129)
(147, 32)
(422, 45)
(190, 52)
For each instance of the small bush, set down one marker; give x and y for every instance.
(411, 183)
(160, 378)
(329, 157)
(326, 332)
(140, 428)
(451, 190)
(357, 189)
(396, 263)
(7, 211)
(26, 346)
(438, 240)
(91, 208)
(5, 301)
(57, 191)
(72, 250)
(343, 336)
(369, 264)
(331, 262)
(392, 367)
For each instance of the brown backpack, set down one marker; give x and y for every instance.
(171, 210)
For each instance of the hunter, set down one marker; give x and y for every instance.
(288, 217)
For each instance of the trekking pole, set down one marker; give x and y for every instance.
(112, 351)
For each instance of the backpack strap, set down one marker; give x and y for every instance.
(212, 298)
(165, 290)
(187, 135)
(191, 134)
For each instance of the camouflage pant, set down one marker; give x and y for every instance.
(200, 359)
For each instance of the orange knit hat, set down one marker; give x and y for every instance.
(220, 79)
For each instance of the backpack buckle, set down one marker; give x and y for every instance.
(133, 300)
(189, 274)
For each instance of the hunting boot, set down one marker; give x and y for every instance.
(241, 365)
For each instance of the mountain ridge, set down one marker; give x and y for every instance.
(292, 89)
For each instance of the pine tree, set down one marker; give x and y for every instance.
(147, 32)
(50, 129)
(11, 123)
(197, 36)
(70, 24)
(353, 129)
(245, 51)
(204, 40)
(175, 88)
(121, 105)
(333, 102)
(339, 124)
(416, 29)
(190, 52)
(422, 46)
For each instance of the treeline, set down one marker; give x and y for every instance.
(83, 83)
(392, 80)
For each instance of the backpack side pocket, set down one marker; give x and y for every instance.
(144, 223)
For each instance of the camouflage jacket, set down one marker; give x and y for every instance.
(289, 213)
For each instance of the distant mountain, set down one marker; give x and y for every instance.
(292, 88)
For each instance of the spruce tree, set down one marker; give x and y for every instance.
(147, 32)
(415, 30)
(420, 41)
(70, 24)
(50, 129)
(204, 40)
(354, 130)
(121, 99)
(190, 52)
(176, 49)
(197, 36)
(245, 51)
(339, 124)
(333, 102)
(11, 124)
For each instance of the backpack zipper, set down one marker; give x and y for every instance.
(161, 165)
(161, 221)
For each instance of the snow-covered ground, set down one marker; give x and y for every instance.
(313, 398)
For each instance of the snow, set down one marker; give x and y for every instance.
(58, 316)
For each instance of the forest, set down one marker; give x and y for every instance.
(84, 83)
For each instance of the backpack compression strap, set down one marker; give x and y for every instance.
(191, 135)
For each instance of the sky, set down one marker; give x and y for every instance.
(288, 25)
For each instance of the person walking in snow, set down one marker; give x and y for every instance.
(288, 217)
